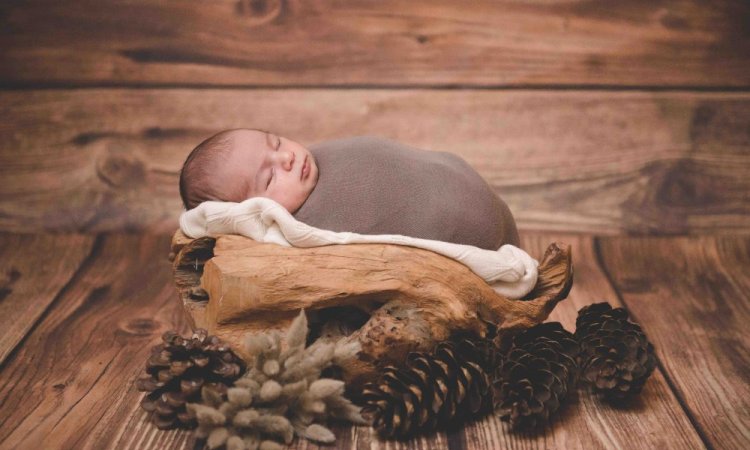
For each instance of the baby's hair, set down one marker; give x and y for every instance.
(196, 172)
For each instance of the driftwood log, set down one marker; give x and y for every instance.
(390, 299)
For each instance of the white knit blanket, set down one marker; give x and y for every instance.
(509, 270)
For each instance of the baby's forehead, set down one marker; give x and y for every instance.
(251, 141)
(257, 135)
(244, 148)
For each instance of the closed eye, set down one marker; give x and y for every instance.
(278, 146)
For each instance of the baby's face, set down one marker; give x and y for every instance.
(263, 164)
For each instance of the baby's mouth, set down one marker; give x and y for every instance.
(302, 169)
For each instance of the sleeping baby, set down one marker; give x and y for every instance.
(364, 185)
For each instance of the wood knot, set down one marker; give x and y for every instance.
(11, 276)
(197, 294)
(671, 20)
(7, 282)
(142, 326)
(260, 11)
(684, 183)
(121, 170)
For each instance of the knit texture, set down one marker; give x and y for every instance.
(373, 185)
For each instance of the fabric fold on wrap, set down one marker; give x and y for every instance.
(375, 185)
(509, 270)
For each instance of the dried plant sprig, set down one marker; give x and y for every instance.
(281, 394)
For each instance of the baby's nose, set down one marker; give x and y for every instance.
(287, 159)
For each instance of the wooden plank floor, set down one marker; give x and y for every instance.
(87, 326)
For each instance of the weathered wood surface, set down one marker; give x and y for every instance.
(387, 43)
(29, 284)
(600, 162)
(71, 383)
(692, 296)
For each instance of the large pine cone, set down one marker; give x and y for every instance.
(440, 388)
(536, 374)
(177, 370)
(615, 354)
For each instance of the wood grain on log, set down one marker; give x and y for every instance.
(414, 297)
(387, 43)
(597, 162)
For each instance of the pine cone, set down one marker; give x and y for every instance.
(615, 354)
(177, 370)
(536, 374)
(435, 389)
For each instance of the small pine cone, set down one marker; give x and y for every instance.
(615, 354)
(534, 377)
(485, 350)
(434, 389)
(177, 370)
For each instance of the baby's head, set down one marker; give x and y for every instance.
(234, 165)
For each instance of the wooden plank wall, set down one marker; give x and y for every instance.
(630, 117)
(519, 43)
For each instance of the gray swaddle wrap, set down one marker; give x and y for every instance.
(373, 185)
